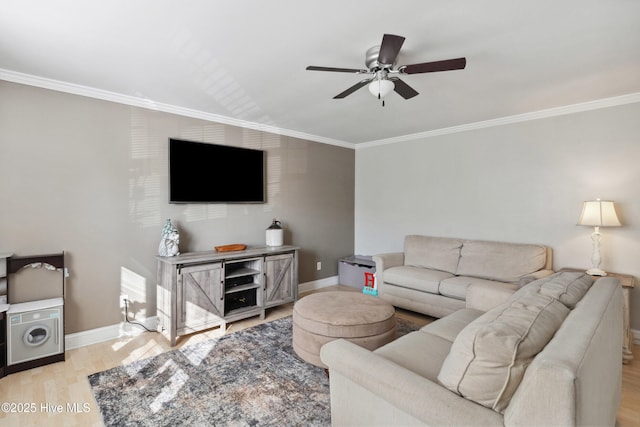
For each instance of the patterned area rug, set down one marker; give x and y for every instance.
(247, 378)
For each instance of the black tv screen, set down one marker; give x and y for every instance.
(211, 173)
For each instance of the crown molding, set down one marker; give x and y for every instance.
(535, 115)
(105, 95)
(91, 92)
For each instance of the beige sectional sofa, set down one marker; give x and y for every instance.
(548, 355)
(433, 274)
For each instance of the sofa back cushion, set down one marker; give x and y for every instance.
(488, 358)
(504, 262)
(437, 253)
(565, 286)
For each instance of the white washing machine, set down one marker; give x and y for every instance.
(35, 329)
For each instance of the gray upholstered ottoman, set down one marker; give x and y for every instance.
(325, 316)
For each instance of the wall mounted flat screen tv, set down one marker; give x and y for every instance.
(212, 173)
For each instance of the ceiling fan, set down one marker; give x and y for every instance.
(380, 62)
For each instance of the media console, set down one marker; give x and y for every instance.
(202, 290)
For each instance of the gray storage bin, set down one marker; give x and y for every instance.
(351, 270)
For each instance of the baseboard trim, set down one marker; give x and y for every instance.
(120, 330)
(106, 333)
(317, 284)
(124, 329)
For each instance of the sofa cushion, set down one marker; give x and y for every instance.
(438, 253)
(488, 358)
(418, 352)
(504, 262)
(456, 286)
(422, 279)
(434, 305)
(450, 326)
(567, 287)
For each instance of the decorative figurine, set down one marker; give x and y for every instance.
(170, 240)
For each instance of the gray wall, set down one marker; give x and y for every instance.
(90, 177)
(521, 182)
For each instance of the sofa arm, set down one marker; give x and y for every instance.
(388, 260)
(485, 296)
(391, 392)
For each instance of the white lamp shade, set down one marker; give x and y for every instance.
(599, 213)
(381, 87)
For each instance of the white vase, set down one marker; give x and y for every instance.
(275, 234)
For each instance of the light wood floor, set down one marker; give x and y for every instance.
(66, 384)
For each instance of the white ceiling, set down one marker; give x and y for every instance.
(244, 61)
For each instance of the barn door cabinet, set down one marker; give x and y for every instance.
(199, 298)
(281, 279)
(202, 290)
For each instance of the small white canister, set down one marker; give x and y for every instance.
(275, 234)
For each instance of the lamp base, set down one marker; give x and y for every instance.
(596, 272)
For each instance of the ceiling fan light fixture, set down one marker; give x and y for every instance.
(381, 88)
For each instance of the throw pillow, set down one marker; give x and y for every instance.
(490, 355)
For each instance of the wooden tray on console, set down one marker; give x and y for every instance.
(229, 248)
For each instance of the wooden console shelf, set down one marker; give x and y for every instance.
(202, 290)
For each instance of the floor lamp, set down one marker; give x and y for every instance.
(598, 213)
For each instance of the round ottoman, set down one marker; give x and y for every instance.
(326, 316)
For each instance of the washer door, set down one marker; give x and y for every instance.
(36, 335)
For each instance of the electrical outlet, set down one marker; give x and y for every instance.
(319, 266)
(123, 299)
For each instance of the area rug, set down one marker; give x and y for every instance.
(247, 378)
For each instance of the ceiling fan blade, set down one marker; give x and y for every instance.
(339, 70)
(389, 49)
(352, 89)
(403, 89)
(431, 67)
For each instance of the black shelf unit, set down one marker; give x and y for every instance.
(15, 264)
(242, 281)
(4, 291)
(3, 343)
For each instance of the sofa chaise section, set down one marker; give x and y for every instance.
(573, 379)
